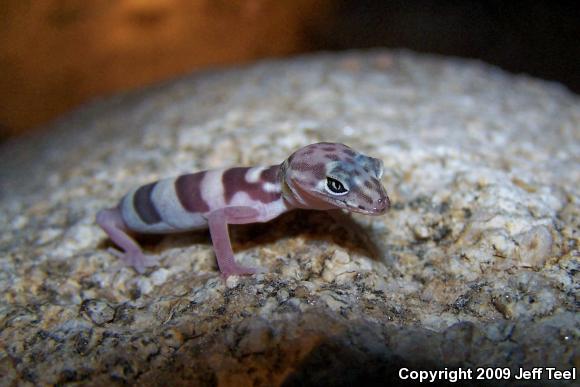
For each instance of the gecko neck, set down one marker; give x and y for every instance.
(290, 198)
(288, 193)
(295, 197)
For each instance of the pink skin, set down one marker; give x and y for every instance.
(306, 169)
(110, 220)
(304, 180)
(218, 227)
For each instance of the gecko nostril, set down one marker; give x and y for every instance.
(383, 202)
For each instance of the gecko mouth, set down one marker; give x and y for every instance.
(348, 206)
(362, 210)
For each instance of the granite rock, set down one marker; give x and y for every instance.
(476, 264)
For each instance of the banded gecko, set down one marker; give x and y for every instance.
(320, 176)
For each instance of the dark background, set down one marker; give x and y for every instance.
(541, 38)
(57, 54)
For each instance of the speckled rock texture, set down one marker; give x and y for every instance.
(476, 264)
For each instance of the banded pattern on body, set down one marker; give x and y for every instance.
(179, 204)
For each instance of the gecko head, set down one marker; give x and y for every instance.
(329, 175)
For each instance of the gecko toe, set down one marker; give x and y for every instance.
(137, 260)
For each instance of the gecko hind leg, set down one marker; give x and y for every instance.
(112, 223)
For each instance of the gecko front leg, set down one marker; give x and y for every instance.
(218, 221)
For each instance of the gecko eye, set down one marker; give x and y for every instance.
(335, 186)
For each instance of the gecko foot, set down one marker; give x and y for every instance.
(242, 270)
(136, 259)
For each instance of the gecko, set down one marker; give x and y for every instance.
(321, 176)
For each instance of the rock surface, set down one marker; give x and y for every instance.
(476, 265)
